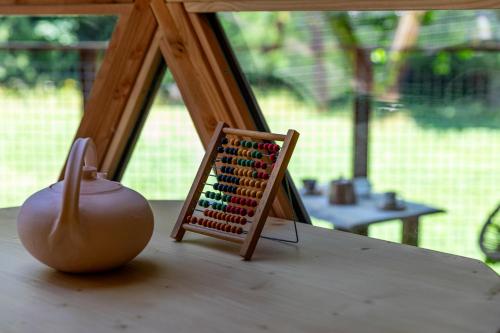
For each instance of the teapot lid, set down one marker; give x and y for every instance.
(92, 182)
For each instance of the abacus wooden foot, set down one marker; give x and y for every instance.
(235, 186)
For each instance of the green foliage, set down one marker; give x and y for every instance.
(21, 68)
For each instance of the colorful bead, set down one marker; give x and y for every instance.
(259, 194)
(236, 142)
(224, 141)
(251, 212)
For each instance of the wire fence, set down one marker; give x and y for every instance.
(436, 143)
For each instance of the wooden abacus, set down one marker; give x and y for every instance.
(248, 168)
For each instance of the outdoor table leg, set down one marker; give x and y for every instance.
(360, 230)
(410, 230)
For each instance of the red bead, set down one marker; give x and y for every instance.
(243, 221)
(206, 212)
(251, 212)
(227, 228)
(243, 201)
(243, 212)
(263, 166)
(188, 218)
(193, 220)
(200, 221)
(261, 146)
(234, 228)
(239, 230)
(254, 203)
(265, 175)
(204, 222)
(257, 164)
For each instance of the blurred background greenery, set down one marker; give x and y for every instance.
(434, 131)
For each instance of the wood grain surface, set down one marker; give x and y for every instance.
(305, 5)
(330, 282)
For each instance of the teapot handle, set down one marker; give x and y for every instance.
(83, 152)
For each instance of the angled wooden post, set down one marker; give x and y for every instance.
(202, 73)
(118, 73)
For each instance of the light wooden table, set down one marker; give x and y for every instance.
(331, 282)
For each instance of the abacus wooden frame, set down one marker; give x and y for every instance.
(249, 242)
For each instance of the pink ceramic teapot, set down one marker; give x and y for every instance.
(85, 223)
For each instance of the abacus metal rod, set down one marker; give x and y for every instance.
(254, 134)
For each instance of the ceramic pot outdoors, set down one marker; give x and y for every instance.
(85, 223)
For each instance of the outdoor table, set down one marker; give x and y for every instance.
(331, 281)
(356, 218)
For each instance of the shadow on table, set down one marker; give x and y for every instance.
(135, 272)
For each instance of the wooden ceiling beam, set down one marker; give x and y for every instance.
(53, 7)
(211, 6)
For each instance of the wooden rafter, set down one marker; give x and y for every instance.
(208, 88)
(133, 108)
(117, 76)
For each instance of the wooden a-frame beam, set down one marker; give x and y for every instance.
(204, 78)
(132, 113)
(116, 78)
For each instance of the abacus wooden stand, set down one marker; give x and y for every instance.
(248, 240)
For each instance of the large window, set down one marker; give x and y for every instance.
(431, 81)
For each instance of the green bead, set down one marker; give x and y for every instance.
(217, 196)
(249, 163)
(254, 174)
(249, 144)
(200, 202)
(258, 155)
(206, 204)
(207, 193)
(255, 145)
(243, 143)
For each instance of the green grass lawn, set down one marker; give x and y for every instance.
(456, 170)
